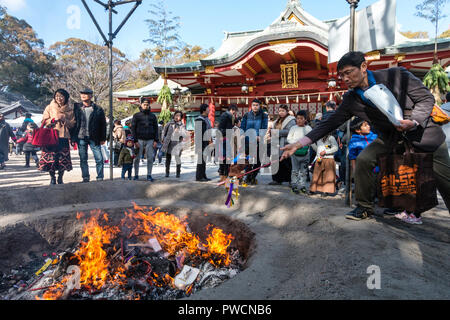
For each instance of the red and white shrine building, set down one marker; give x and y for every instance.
(286, 63)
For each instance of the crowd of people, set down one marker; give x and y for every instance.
(312, 149)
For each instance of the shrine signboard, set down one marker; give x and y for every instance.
(289, 76)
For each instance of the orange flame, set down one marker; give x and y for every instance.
(171, 232)
(93, 261)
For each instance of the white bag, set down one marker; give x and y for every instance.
(385, 101)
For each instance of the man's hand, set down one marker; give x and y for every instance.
(405, 125)
(323, 153)
(136, 145)
(289, 150)
(102, 142)
(155, 144)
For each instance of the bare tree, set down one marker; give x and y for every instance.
(432, 10)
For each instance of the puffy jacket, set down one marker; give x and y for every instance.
(144, 126)
(358, 142)
(256, 121)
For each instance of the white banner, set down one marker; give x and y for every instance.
(375, 29)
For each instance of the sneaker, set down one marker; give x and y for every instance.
(136, 178)
(402, 215)
(303, 190)
(359, 213)
(85, 180)
(295, 190)
(149, 178)
(392, 211)
(412, 219)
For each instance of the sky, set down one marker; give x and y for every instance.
(203, 22)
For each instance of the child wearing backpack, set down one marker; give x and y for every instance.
(300, 159)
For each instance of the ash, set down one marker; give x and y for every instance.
(149, 275)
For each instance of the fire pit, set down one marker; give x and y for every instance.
(122, 253)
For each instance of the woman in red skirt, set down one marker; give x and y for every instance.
(58, 115)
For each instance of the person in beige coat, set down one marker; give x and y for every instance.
(58, 115)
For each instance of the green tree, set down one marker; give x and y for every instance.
(24, 64)
(432, 10)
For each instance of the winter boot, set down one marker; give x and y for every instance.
(60, 177)
(52, 177)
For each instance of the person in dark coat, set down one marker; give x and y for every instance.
(5, 133)
(89, 131)
(257, 120)
(202, 124)
(226, 122)
(144, 129)
(416, 102)
(283, 124)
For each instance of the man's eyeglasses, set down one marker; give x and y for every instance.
(346, 72)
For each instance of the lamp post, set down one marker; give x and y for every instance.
(109, 6)
(348, 190)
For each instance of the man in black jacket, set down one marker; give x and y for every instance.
(226, 122)
(144, 128)
(416, 102)
(89, 131)
(202, 124)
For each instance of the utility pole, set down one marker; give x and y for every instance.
(348, 174)
(109, 6)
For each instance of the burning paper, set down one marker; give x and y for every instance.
(186, 277)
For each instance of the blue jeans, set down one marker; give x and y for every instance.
(158, 150)
(126, 168)
(83, 152)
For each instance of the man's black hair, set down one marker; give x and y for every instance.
(232, 107)
(257, 101)
(352, 58)
(143, 99)
(331, 104)
(203, 107)
(302, 113)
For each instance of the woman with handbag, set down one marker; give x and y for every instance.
(59, 116)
